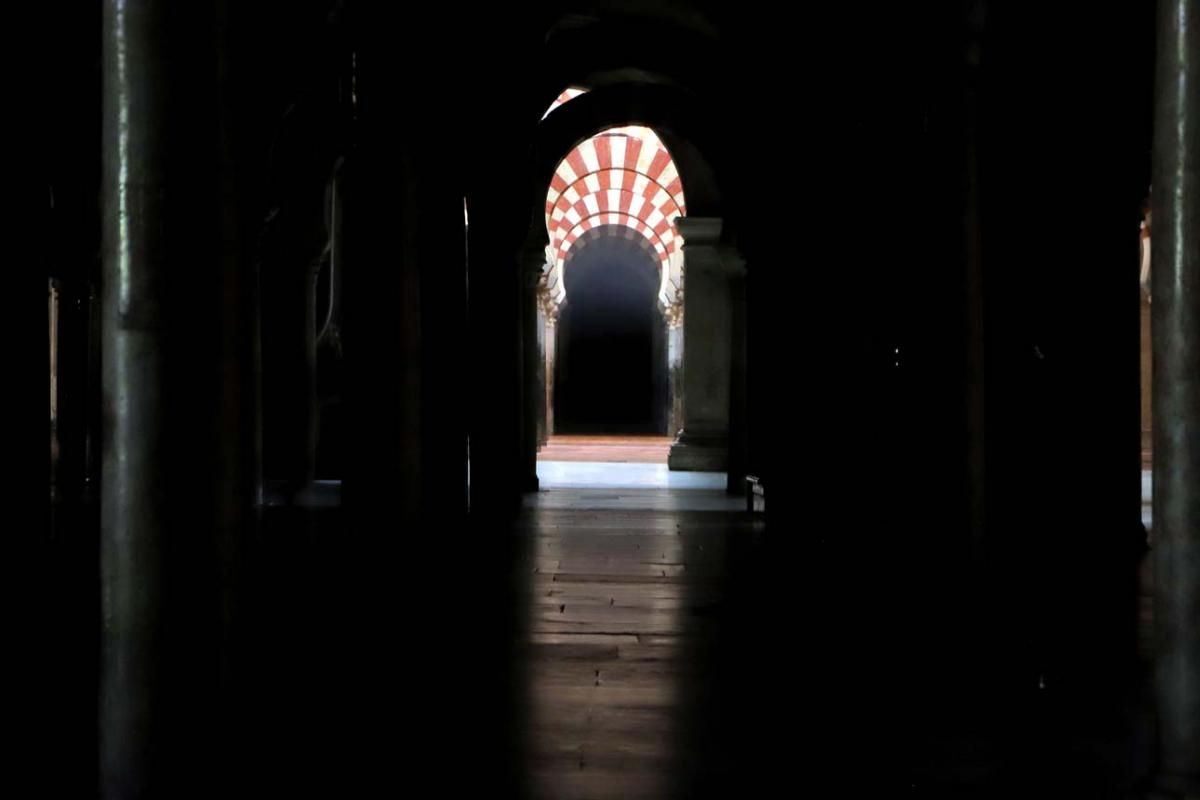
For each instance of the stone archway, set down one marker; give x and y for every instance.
(577, 117)
(619, 185)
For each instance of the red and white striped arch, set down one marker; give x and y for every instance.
(567, 94)
(622, 177)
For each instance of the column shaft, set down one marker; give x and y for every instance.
(551, 337)
(703, 443)
(1176, 335)
(133, 501)
(531, 387)
(178, 384)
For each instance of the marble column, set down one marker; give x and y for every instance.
(177, 438)
(133, 504)
(674, 315)
(703, 442)
(543, 430)
(532, 268)
(737, 465)
(1175, 285)
(551, 338)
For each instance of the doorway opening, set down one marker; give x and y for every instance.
(610, 314)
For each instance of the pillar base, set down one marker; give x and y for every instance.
(708, 452)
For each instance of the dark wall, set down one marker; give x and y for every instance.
(55, 232)
(974, 207)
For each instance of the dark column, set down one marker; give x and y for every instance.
(496, 359)
(443, 336)
(289, 329)
(674, 314)
(532, 392)
(543, 421)
(177, 477)
(703, 443)
(1176, 332)
(551, 342)
(383, 319)
(738, 421)
(133, 502)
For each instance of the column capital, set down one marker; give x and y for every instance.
(533, 278)
(532, 256)
(703, 250)
(674, 312)
(546, 300)
(699, 231)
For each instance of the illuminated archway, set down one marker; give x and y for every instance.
(620, 183)
(622, 177)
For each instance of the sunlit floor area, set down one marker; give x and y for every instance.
(617, 645)
(608, 475)
(606, 485)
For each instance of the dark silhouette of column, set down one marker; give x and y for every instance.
(533, 257)
(738, 465)
(178, 468)
(495, 361)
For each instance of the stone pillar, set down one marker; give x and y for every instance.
(177, 477)
(738, 419)
(551, 342)
(134, 502)
(532, 267)
(674, 314)
(1175, 284)
(660, 372)
(543, 396)
(1146, 354)
(291, 416)
(499, 467)
(703, 442)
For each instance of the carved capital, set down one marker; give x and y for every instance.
(546, 302)
(674, 313)
(532, 255)
(703, 250)
(699, 230)
(533, 279)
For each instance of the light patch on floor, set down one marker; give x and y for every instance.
(609, 475)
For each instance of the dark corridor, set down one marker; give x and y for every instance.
(297, 543)
(612, 361)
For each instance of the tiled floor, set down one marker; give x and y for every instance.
(628, 449)
(620, 615)
(646, 638)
